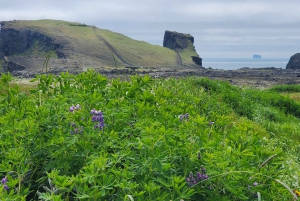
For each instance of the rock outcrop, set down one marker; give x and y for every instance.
(177, 41)
(12, 66)
(18, 41)
(180, 42)
(14, 42)
(294, 62)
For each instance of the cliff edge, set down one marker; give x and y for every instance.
(183, 44)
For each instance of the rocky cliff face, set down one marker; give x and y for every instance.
(18, 41)
(294, 62)
(177, 41)
(14, 42)
(180, 42)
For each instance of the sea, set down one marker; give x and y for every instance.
(237, 63)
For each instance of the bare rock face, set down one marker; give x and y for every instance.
(179, 42)
(294, 62)
(18, 41)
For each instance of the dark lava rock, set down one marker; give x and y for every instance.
(177, 41)
(294, 62)
(197, 60)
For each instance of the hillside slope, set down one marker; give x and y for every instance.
(75, 46)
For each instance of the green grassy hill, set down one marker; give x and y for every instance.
(84, 46)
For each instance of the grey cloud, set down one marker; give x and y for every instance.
(230, 28)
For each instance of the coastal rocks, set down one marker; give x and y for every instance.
(294, 62)
(180, 42)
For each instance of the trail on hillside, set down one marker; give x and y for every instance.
(112, 49)
(179, 59)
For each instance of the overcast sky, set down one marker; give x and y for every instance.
(221, 28)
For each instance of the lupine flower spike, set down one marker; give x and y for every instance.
(191, 180)
(4, 181)
(184, 116)
(98, 118)
(73, 108)
(75, 128)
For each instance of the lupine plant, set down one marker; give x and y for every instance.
(84, 137)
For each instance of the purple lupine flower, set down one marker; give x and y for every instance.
(187, 116)
(93, 111)
(97, 117)
(203, 170)
(94, 118)
(77, 107)
(4, 180)
(184, 116)
(72, 108)
(6, 187)
(191, 180)
(211, 123)
(204, 176)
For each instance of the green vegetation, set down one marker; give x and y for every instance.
(139, 52)
(83, 137)
(286, 88)
(186, 55)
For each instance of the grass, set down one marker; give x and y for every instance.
(294, 96)
(291, 91)
(140, 52)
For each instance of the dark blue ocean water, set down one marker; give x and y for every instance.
(233, 64)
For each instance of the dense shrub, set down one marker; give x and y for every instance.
(84, 137)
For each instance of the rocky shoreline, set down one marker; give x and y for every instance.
(252, 77)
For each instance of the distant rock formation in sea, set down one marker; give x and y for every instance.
(294, 62)
(256, 56)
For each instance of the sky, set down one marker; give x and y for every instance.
(221, 28)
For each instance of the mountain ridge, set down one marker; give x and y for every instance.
(77, 46)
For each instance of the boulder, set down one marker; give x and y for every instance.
(294, 62)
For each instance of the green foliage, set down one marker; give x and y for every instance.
(286, 88)
(158, 135)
